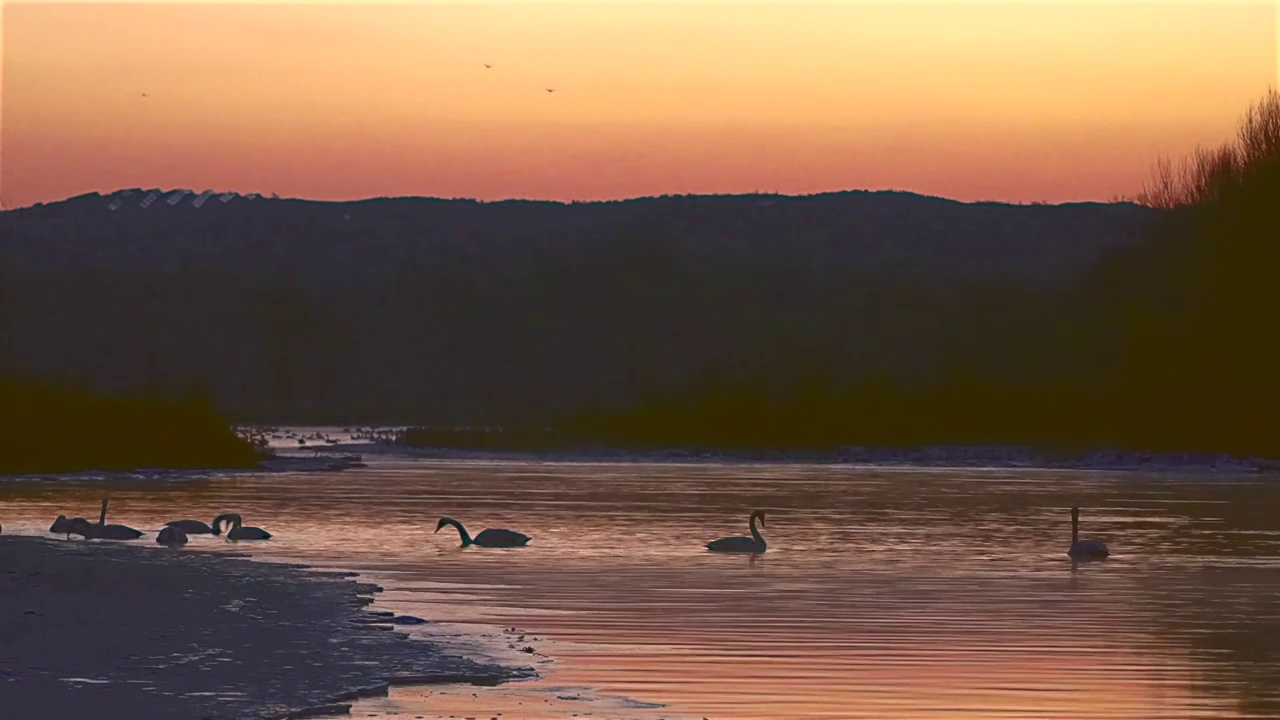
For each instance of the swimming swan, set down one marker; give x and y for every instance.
(493, 537)
(753, 544)
(1084, 549)
(236, 532)
(190, 527)
(101, 530)
(172, 536)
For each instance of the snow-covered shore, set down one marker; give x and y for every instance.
(124, 632)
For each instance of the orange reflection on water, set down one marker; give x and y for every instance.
(931, 595)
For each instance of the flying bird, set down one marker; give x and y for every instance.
(144, 95)
(551, 89)
(487, 65)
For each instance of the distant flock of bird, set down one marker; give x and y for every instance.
(175, 533)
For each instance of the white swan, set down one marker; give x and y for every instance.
(236, 532)
(753, 544)
(493, 537)
(172, 536)
(1084, 549)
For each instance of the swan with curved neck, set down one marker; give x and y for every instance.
(1084, 549)
(492, 537)
(753, 544)
(236, 531)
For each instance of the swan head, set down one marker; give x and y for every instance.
(760, 515)
(231, 519)
(444, 522)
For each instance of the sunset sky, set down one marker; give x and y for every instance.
(1019, 101)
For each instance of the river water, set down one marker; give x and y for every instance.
(885, 593)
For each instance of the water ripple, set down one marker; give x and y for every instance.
(886, 593)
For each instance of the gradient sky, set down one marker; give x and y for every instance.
(1019, 101)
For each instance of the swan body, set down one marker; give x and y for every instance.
(190, 527)
(62, 526)
(172, 535)
(236, 531)
(100, 530)
(753, 544)
(93, 531)
(492, 537)
(1084, 549)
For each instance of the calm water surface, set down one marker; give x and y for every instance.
(885, 593)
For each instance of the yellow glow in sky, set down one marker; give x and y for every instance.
(1014, 101)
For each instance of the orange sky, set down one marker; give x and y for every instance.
(1017, 101)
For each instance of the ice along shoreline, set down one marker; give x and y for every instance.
(942, 457)
(151, 632)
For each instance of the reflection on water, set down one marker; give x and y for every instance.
(884, 594)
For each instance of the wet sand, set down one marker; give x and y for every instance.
(129, 631)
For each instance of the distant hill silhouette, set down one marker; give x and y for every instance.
(1165, 345)
(461, 312)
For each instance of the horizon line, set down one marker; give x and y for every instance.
(548, 201)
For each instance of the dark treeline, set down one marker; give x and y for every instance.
(1166, 345)
(716, 322)
(46, 429)
(460, 313)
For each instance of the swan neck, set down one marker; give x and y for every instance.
(102, 518)
(232, 520)
(1075, 530)
(754, 532)
(462, 532)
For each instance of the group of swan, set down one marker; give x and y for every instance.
(174, 532)
(1080, 549)
(503, 538)
(235, 528)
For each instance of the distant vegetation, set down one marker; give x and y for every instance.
(1167, 345)
(44, 429)
(716, 322)
(421, 311)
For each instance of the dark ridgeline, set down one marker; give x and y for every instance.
(46, 429)
(1165, 345)
(463, 313)
(700, 322)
